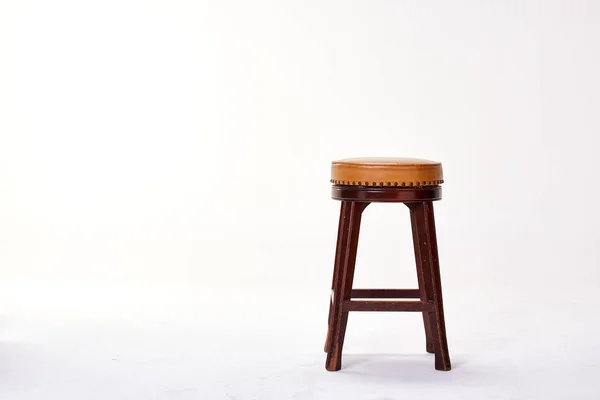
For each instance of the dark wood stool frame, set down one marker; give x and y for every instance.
(419, 201)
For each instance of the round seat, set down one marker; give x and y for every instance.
(386, 171)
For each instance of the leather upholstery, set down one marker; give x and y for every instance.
(386, 171)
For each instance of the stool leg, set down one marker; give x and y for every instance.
(350, 274)
(340, 249)
(343, 287)
(420, 278)
(428, 254)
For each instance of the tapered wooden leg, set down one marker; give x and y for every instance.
(349, 279)
(420, 278)
(340, 249)
(343, 286)
(428, 255)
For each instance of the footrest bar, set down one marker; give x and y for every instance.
(385, 294)
(362, 305)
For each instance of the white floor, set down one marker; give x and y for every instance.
(183, 344)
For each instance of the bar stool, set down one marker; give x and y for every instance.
(357, 182)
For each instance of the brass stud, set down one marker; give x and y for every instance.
(395, 183)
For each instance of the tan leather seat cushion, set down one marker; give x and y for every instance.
(386, 171)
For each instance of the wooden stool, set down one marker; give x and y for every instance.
(416, 183)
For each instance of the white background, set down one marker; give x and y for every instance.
(166, 230)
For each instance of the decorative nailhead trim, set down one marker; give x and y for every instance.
(402, 184)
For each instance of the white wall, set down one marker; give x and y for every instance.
(169, 143)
